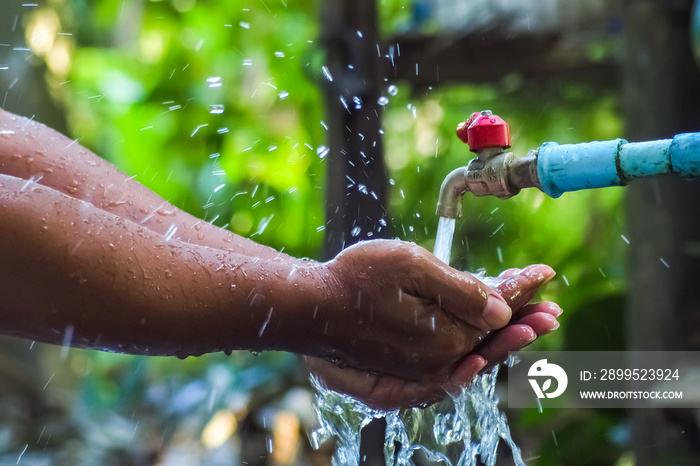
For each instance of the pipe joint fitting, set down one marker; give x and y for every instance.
(502, 175)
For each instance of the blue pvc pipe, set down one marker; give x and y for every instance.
(571, 167)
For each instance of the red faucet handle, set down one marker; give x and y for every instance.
(462, 131)
(483, 130)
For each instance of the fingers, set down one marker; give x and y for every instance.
(418, 273)
(388, 393)
(468, 299)
(518, 286)
(462, 295)
(547, 307)
(464, 373)
(533, 321)
(512, 338)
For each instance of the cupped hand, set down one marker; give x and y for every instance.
(397, 310)
(388, 391)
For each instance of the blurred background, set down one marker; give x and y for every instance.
(310, 125)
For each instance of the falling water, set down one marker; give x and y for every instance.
(443, 240)
(463, 430)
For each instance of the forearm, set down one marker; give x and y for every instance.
(69, 269)
(32, 151)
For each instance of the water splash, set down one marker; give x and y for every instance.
(214, 81)
(464, 430)
(322, 152)
(327, 73)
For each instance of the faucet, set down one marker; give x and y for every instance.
(493, 172)
(555, 169)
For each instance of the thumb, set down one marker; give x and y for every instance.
(465, 297)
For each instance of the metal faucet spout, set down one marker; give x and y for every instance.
(451, 192)
(493, 173)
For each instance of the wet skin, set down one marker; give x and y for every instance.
(88, 248)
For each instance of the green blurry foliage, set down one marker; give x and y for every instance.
(215, 105)
(210, 105)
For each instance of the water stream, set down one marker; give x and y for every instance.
(443, 239)
(462, 430)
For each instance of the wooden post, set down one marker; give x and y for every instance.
(662, 98)
(23, 87)
(356, 177)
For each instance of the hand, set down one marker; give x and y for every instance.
(389, 392)
(530, 320)
(397, 310)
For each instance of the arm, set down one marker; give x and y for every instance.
(32, 151)
(123, 287)
(90, 258)
(120, 286)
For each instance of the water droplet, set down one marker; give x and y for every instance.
(327, 73)
(214, 81)
(73, 186)
(170, 233)
(356, 231)
(322, 151)
(383, 100)
(283, 95)
(67, 338)
(216, 109)
(393, 90)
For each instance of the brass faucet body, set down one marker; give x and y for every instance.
(493, 173)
